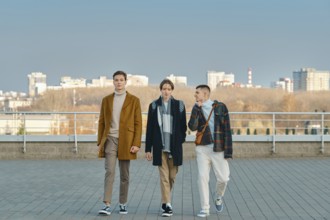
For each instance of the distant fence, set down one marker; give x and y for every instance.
(246, 127)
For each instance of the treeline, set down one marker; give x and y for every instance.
(237, 99)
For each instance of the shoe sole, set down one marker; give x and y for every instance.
(202, 216)
(104, 213)
(167, 215)
(123, 213)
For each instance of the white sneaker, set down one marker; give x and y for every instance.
(203, 213)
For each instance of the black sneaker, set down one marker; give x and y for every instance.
(106, 210)
(163, 207)
(123, 209)
(168, 211)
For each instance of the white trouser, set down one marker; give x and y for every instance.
(205, 159)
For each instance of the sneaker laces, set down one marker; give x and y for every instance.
(218, 201)
(106, 207)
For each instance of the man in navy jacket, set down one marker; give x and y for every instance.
(166, 132)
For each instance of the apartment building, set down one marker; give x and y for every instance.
(309, 79)
(216, 79)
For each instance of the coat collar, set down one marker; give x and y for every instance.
(159, 100)
(127, 100)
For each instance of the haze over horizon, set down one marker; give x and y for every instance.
(84, 39)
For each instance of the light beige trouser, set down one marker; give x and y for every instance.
(167, 174)
(111, 151)
(206, 159)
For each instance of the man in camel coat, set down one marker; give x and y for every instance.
(119, 137)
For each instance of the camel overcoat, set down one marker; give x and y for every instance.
(130, 126)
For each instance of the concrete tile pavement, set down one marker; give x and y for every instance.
(72, 189)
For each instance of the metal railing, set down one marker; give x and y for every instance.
(246, 127)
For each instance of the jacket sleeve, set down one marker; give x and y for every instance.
(149, 133)
(183, 123)
(137, 124)
(193, 121)
(101, 124)
(228, 136)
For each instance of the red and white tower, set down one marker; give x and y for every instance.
(250, 76)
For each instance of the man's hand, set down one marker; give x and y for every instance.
(149, 156)
(134, 149)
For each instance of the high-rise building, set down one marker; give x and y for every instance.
(178, 80)
(37, 83)
(216, 79)
(309, 79)
(283, 83)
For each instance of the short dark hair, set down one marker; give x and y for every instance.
(119, 72)
(203, 86)
(166, 81)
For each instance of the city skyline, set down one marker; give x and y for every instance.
(156, 39)
(306, 79)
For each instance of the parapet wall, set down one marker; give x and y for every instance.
(88, 150)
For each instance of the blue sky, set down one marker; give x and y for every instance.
(84, 38)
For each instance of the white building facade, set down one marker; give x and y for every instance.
(102, 82)
(68, 82)
(283, 83)
(37, 83)
(217, 79)
(178, 80)
(137, 80)
(309, 79)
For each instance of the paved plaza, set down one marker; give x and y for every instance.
(72, 189)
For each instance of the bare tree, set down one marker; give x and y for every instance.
(236, 99)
